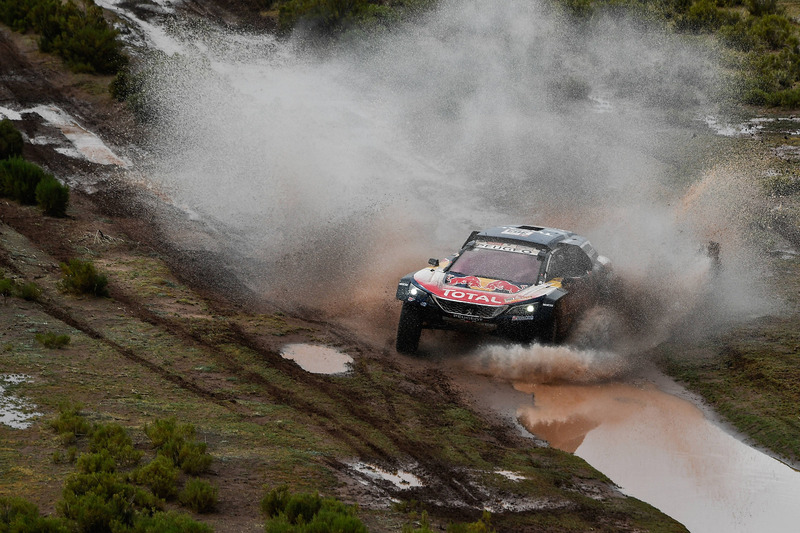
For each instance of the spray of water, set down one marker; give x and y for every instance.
(331, 176)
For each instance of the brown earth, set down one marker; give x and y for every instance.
(179, 336)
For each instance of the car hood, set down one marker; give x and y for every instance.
(483, 291)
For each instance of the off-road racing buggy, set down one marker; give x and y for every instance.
(522, 282)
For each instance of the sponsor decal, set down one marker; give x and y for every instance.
(470, 281)
(471, 297)
(504, 286)
(518, 318)
(506, 247)
(473, 282)
(518, 232)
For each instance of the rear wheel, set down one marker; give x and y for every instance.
(409, 329)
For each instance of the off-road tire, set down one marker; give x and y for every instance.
(409, 329)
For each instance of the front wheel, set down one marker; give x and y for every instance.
(409, 329)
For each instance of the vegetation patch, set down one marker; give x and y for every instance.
(52, 340)
(75, 30)
(286, 512)
(10, 140)
(81, 277)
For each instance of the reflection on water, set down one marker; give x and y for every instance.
(662, 449)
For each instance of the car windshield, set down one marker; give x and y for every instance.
(507, 262)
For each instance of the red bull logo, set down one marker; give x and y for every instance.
(470, 281)
(504, 286)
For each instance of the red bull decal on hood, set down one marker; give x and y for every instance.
(474, 282)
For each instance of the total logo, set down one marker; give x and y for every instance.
(471, 297)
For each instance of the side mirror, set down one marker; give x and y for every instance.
(433, 262)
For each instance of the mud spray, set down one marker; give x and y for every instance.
(331, 176)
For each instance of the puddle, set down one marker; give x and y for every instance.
(752, 126)
(318, 359)
(663, 450)
(400, 479)
(15, 412)
(85, 144)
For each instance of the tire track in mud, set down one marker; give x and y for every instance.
(436, 384)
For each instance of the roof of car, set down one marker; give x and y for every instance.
(533, 234)
(539, 235)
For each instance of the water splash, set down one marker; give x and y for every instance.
(547, 364)
(331, 176)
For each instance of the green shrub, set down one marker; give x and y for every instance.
(160, 475)
(102, 461)
(704, 15)
(168, 522)
(6, 287)
(70, 421)
(20, 516)
(774, 32)
(199, 496)
(52, 340)
(10, 140)
(193, 459)
(19, 179)
(30, 291)
(759, 8)
(307, 513)
(98, 500)
(176, 442)
(165, 429)
(80, 277)
(52, 197)
(113, 439)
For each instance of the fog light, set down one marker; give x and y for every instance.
(530, 308)
(413, 291)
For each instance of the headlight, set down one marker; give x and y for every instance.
(525, 309)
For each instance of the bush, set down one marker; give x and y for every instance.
(6, 287)
(10, 140)
(52, 197)
(80, 277)
(113, 438)
(160, 475)
(52, 340)
(20, 516)
(168, 522)
(759, 8)
(70, 421)
(705, 16)
(102, 461)
(30, 291)
(307, 513)
(19, 179)
(98, 500)
(199, 496)
(176, 442)
(774, 32)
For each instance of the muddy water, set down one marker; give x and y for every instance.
(663, 450)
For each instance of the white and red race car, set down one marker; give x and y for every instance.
(523, 282)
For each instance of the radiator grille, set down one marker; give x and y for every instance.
(464, 309)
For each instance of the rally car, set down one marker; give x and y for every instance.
(523, 282)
